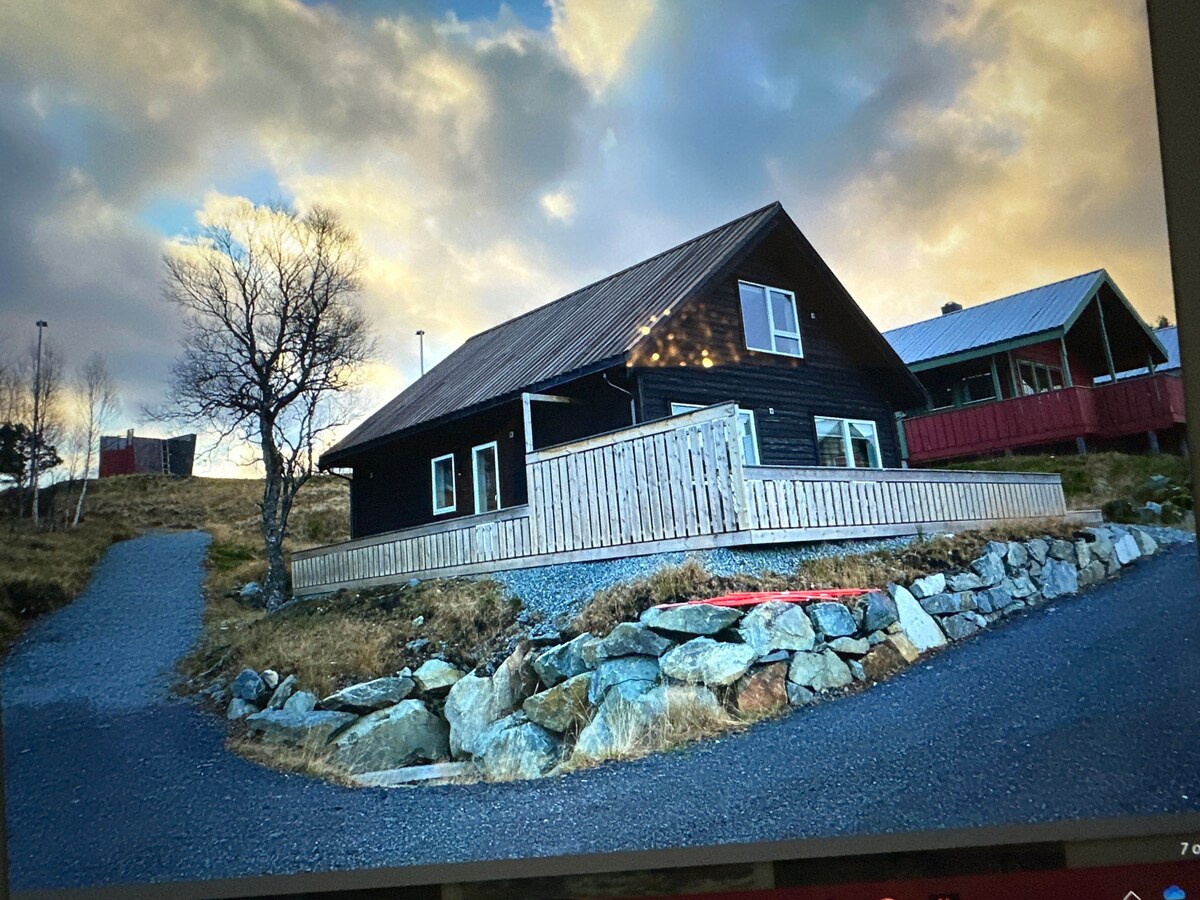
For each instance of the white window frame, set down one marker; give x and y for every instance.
(433, 464)
(679, 409)
(846, 423)
(775, 332)
(475, 454)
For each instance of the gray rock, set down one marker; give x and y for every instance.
(1146, 545)
(989, 568)
(1016, 558)
(832, 619)
(1019, 587)
(1112, 565)
(557, 664)
(433, 772)
(239, 708)
(798, 695)
(822, 671)
(625, 725)
(470, 710)
(1059, 577)
(997, 598)
(959, 626)
(1101, 543)
(1093, 573)
(762, 690)
(850, 646)
(917, 624)
(435, 676)
(1125, 548)
(948, 604)
(249, 686)
(389, 738)
(876, 637)
(301, 702)
(251, 595)
(1083, 553)
(612, 672)
(773, 657)
(562, 706)
(856, 670)
(1038, 549)
(705, 661)
(966, 581)
(516, 749)
(270, 678)
(777, 625)
(691, 618)
(996, 548)
(369, 696)
(309, 730)
(632, 639)
(514, 680)
(879, 611)
(1155, 509)
(418, 621)
(1064, 551)
(928, 586)
(417, 644)
(282, 692)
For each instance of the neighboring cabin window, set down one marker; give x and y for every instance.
(443, 484)
(848, 442)
(485, 472)
(770, 319)
(749, 433)
(1037, 378)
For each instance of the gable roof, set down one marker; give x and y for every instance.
(588, 330)
(1037, 314)
(1169, 338)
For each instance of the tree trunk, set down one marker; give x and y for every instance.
(275, 583)
(87, 467)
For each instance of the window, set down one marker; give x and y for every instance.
(749, 433)
(1037, 378)
(485, 472)
(770, 319)
(853, 443)
(443, 484)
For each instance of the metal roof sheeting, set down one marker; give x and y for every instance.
(1029, 312)
(576, 333)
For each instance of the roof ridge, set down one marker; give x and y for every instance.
(995, 300)
(600, 281)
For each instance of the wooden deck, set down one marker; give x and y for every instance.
(677, 484)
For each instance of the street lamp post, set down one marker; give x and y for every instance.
(37, 427)
(421, 341)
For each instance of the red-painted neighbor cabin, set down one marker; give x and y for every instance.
(1044, 369)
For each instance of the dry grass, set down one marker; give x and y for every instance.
(41, 570)
(623, 602)
(311, 761)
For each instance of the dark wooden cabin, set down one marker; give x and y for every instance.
(747, 312)
(1040, 370)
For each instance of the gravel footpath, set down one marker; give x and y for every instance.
(1087, 707)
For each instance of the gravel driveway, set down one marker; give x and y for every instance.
(1087, 707)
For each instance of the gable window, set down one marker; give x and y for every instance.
(770, 319)
(485, 472)
(853, 443)
(746, 429)
(444, 500)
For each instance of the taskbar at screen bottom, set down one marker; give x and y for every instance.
(1150, 881)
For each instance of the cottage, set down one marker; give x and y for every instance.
(1032, 371)
(726, 391)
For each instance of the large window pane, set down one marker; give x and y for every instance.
(864, 445)
(754, 317)
(443, 484)
(486, 478)
(787, 345)
(749, 443)
(784, 311)
(831, 445)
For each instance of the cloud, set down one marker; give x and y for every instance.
(596, 35)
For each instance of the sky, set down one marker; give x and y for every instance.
(492, 157)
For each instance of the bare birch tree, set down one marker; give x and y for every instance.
(273, 338)
(96, 398)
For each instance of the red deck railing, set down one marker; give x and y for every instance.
(1127, 407)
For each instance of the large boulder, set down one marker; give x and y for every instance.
(1058, 578)
(470, 709)
(832, 620)
(1016, 558)
(691, 618)
(928, 586)
(1101, 543)
(1038, 548)
(989, 568)
(565, 661)
(879, 611)
(514, 679)
(705, 661)
(996, 598)
(239, 709)
(777, 625)
(961, 626)
(894, 652)
(308, 730)
(516, 748)
(947, 604)
(301, 701)
(1147, 546)
(369, 696)
(1083, 553)
(642, 670)
(436, 676)
(821, 671)
(846, 646)
(965, 581)
(282, 692)
(917, 624)
(389, 738)
(1093, 573)
(631, 725)
(1020, 587)
(1125, 548)
(762, 690)
(563, 705)
(1064, 551)
(249, 686)
(632, 639)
